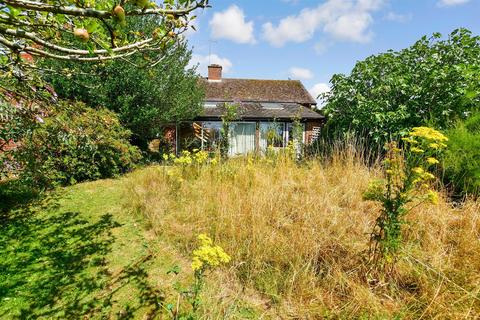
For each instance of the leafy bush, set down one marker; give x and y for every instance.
(462, 160)
(76, 143)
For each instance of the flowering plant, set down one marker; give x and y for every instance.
(407, 180)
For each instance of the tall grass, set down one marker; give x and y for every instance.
(298, 236)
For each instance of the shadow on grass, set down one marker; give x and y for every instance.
(14, 195)
(53, 264)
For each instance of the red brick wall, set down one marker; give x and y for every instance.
(309, 130)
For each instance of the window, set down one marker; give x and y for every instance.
(271, 134)
(242, 138)
(189, 136)
(210, 105)
(272, 106)
(291, 134)
(212, 132)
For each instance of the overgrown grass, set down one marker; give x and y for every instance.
(298, 235)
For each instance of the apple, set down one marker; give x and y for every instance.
(119, 13)
(81, 34)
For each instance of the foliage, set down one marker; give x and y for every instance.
(75, 143)
(462, 158)
(272, 135)
(85, 31)
(434, 82)
(143, 93)
(407, 180)
(230, 114)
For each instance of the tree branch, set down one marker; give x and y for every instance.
(95, 13)
(31, 36)
(38, 52)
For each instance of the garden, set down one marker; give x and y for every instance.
(378, 218)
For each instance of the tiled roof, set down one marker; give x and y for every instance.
(253, 90)
(264, 110)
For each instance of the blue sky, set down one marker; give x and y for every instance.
(312, 40)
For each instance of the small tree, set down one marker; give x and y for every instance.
(297, 133)
(407, 181)
(230, 114)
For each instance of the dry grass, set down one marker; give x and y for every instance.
(298, 237)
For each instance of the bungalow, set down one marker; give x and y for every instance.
(266, 110)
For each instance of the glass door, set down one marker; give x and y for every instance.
(242, 138)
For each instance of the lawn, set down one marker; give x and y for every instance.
(78, 252)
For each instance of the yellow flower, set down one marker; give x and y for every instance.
(165, 157)
(208, 255)
(197, 264)
(432, 196)
(428, 134)
(389, 172)
(416, 150)
(418, 170)
(409, 140)
(214, 161)
(432, 160)
(428, 176)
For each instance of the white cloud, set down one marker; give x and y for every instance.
(318, 89)
(342, 19)
(397, 17)
(450, 3)
(300, 73)
(230, 24)
(204, 61)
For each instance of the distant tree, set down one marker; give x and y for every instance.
(145, 95)
(433, 82)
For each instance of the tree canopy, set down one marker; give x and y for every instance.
(144, 95)
(435, 82)
(80, 31)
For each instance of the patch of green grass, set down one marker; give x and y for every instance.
(77, 252)
(74, 253)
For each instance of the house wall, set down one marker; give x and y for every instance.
(312, 131)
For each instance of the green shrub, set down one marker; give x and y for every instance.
(462, 159)
(76, 143)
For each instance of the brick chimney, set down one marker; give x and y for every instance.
(214, 72)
